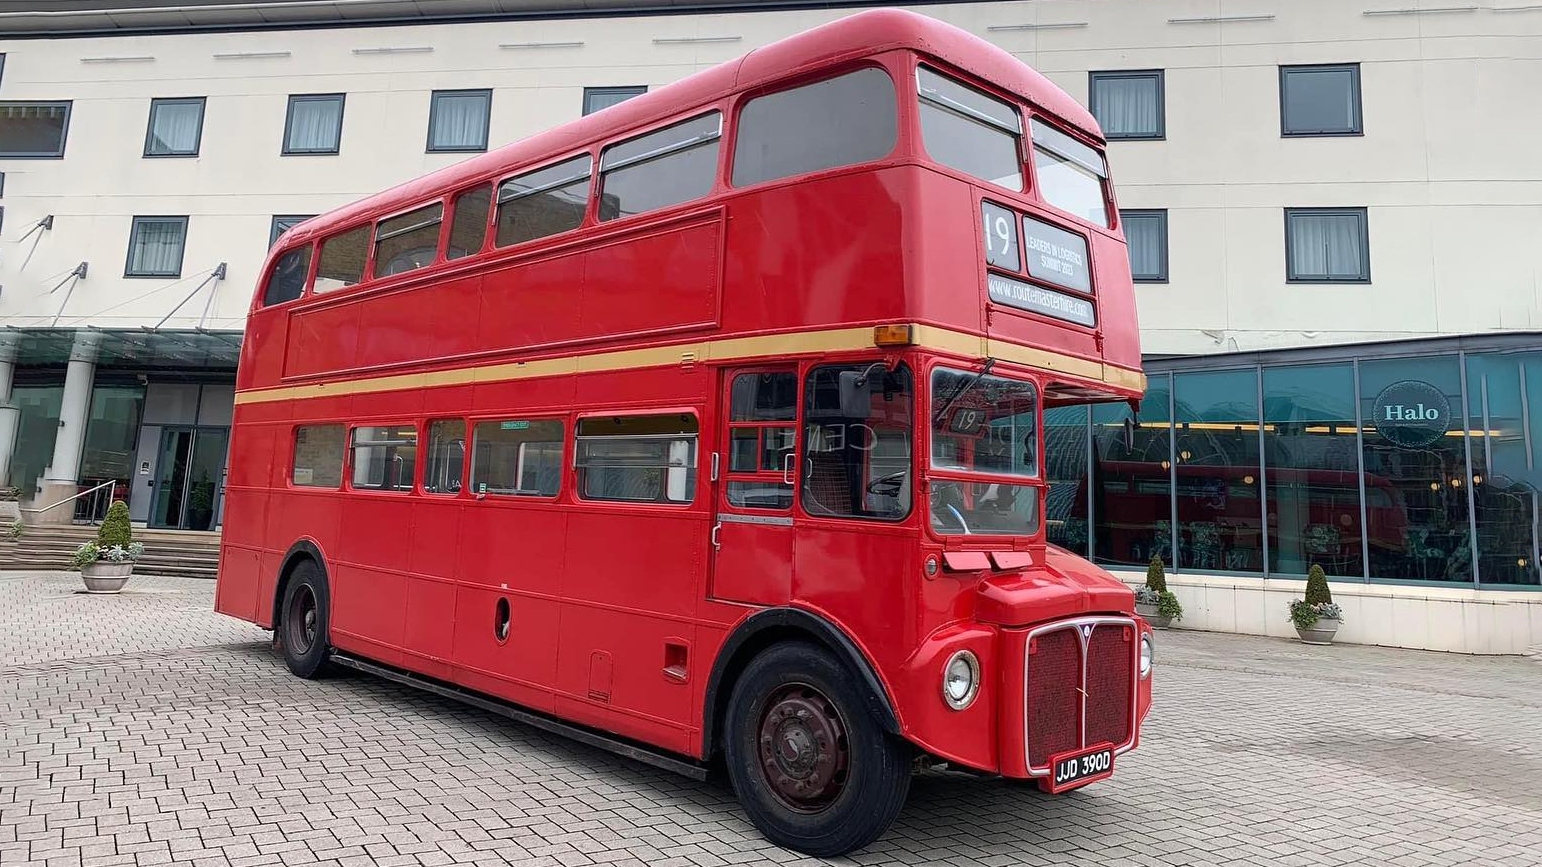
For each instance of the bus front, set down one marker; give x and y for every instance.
(1040, 662)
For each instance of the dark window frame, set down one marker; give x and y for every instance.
(1160, 214)
(337, 146)
(1364, 276)
(273, 231)
(1358, 128)
(1158, 75)
(128, 260)
(200, 101)
(433, 115)
(631, 90)
(64, 131)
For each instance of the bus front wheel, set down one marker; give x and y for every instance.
(303, 618)
(810, 765)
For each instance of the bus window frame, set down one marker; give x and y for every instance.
(930, 473)
(413, 490)
(904, 140)
(718, 187)
(1105, 181)
(702, 492)
(910, 100)
(305, 288)
(588, 221)
(420, 483)
(439, 243)
(569, 455)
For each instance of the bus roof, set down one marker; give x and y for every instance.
(859, 35)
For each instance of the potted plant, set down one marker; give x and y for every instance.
(1154, 601)
(1316, 617)
(15, 528)
(106, 562)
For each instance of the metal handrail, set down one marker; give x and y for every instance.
(71, 499)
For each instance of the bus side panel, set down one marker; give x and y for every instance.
(509, 550)
(665, 280)
(369, 592)
(322, 340)
(626, 619)
(262, 349)
(242, 535)
(532, 304)
(421, 324)
(427, 635)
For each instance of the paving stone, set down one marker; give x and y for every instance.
(146, 729)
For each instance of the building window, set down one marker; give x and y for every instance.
(155, 247)
(1320, 100)
(282, 224)
(596, 98)
(638, 458)
(856, 110)
(1327, 245)
(971, 131)
(176, 125)
(675, 164)
(314, 124)
(384, 458)
(517, 457)
(33, 129)
(1216, 456)
(1132, 474)
(544, 202)
(1129, 105)
(318, 456)
(457, 120)
(1146, 233)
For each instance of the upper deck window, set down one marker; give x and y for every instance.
(854, 113)
(287, 280)
(342, 260)
(969, 130)
(544, 202)
(1071, 174)
(666, 167)
(408, 241)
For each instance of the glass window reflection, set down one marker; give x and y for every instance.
(1065, 470)
(1220, 522)
(1131, 483)
(1312, 470)
(1504, 392)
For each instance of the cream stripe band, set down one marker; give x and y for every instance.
(730, 348)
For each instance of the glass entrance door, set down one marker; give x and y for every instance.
(189, 471)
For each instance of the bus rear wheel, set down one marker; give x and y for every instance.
(304, 615)
(813, 769)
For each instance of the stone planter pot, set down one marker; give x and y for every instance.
(1321, 633)
(1149, 612)
(10, 510)
(103, 577)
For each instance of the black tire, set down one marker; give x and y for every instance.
(791, 702)
(304, 615)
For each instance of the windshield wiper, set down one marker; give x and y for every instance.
(963, 390)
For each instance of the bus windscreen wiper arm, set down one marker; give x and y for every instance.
(952, 399)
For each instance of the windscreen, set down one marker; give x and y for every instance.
(986, 425)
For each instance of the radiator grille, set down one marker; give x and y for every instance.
(1110, 669)
(1054, 704)
(1057, 678)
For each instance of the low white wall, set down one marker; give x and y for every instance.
(1457, 619)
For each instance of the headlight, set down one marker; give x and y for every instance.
(961, 680)
(1145, 656)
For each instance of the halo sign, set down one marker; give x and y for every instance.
(1411, 413)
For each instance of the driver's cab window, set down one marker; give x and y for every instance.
(984, 435)
(857, 435)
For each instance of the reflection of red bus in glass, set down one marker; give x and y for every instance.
(707, 427)
(1218, 515)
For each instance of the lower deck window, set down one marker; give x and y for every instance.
(318, 456)
(384, 458)
(641, 459)
(857, 431)
(517, 458)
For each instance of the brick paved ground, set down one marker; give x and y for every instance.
(145, 729)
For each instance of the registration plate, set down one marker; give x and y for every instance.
(1070, 770)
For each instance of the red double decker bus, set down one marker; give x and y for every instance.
(708, 428)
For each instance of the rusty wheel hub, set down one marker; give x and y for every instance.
(803, 748)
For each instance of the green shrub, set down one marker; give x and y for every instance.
(1156, 579)
(1317, 591)
(115, 529)
(1167, 605)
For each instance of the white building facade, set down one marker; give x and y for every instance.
(1350, 189)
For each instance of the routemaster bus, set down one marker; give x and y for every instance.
(708, 428)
